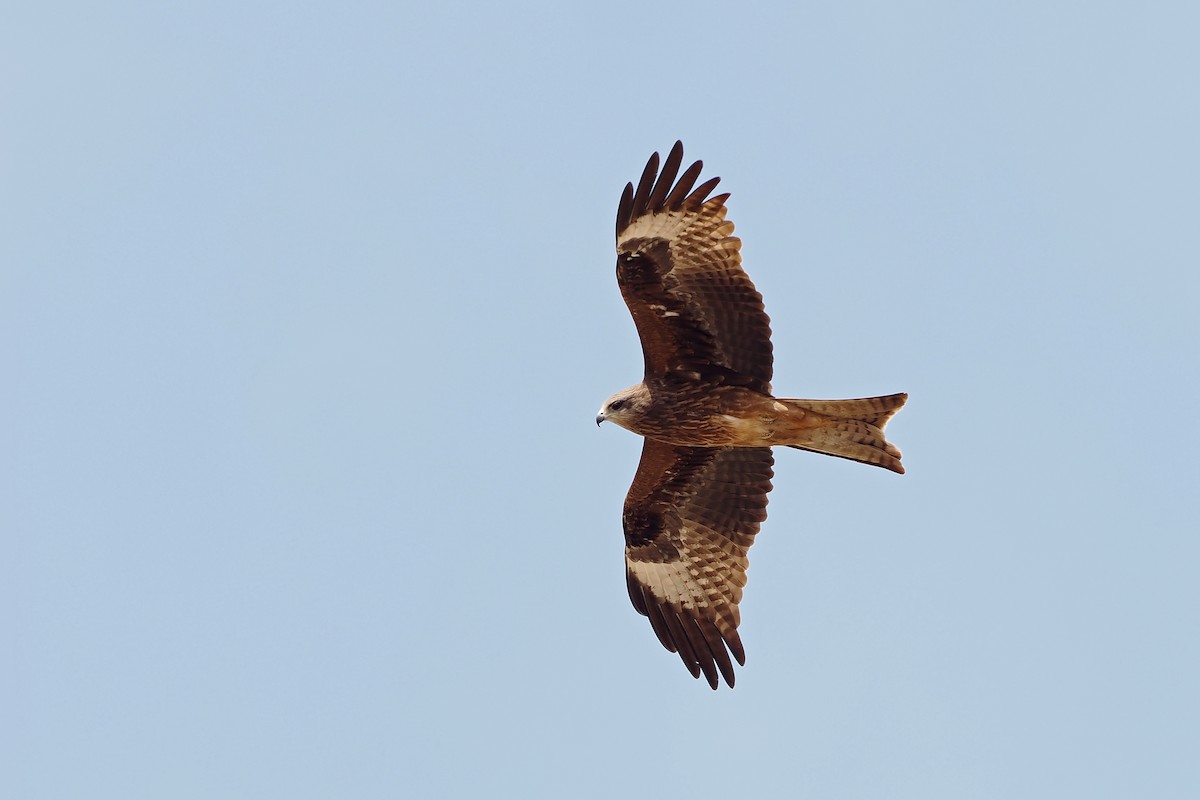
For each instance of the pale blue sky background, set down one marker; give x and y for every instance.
(306, 311)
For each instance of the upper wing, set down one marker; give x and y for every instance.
(681, 275)
(690, 517)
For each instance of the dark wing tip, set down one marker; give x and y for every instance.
(700, 196)
(734, 642)
(645, 184)
(678, 195)
(702, 648)
(625, 209)
(660, 191)
(666, 177)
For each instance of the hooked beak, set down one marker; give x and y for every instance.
(599, 419)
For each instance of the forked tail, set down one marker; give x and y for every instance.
(848, 428)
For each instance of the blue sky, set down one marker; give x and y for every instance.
(306, 312)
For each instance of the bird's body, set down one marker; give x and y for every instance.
(708, 416)
(699, 414)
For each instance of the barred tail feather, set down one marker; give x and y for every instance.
(850, 429)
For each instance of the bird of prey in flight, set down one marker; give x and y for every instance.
(707, 414)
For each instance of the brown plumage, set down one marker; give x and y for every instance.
(708, 416)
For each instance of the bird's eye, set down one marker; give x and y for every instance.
(615, 405)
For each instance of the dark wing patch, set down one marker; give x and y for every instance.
(690, 518)
(679, 269)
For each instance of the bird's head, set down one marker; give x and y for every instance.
(625, 407)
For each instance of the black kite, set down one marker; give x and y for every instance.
(708, 416)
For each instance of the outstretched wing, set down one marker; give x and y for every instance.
(680, 272)
(690, 517)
